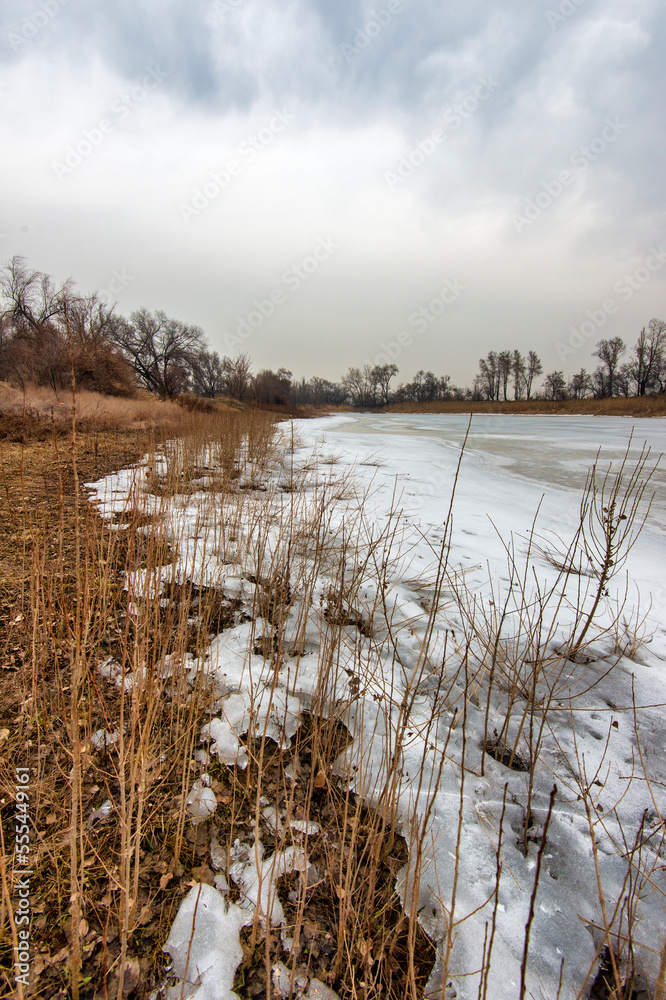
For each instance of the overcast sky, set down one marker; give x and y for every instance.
(324, 183)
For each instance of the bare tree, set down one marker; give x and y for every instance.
(518, 372)
(272, 387)
(579, 385)
(325, 391)
(555, 385)
(382, 375)
(489, 376)
(504, 366)
(91, 327)
(34, 314)
(533, 369)
(609, 353)
(33, 299)
(208, 376)
(52, 333)
(446, 390)
(355, 387)
(162, 350)
(648, 362)
(237, 376)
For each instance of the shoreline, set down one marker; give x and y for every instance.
(631, 406)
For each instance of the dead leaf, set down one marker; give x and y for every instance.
(164, 881)
(39, 963)
(320, 780)
(146, 915)
(51, 819)
(62, 955)
(132, 975)
(4, 733)
(365, 948)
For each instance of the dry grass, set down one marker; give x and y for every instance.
(634, 406)
(77, 591)
(107, 890)
(38, 412)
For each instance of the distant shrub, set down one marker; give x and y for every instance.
(195, 404)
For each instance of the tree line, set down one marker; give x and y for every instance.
(50, 333)
(643, 373)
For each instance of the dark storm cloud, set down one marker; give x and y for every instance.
(219, 51)
(127, 36)
(417, 134)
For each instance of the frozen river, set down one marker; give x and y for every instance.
(549, 450)
(514, 467)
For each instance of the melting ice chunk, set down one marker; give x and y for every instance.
(202, 801)
(204, 946)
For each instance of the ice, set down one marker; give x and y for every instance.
(112, 671)
(205, 947)
(218, 855)
(103, 739)
(256, 878)
(102, 814)
(270, 713)
(226, 731)
(202, 801)
(495, 503)
(204, 939)
(282, 979)
(308, 829)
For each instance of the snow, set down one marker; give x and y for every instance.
(204, 941)
(103, 738)
(202, 801)
(426, 683)
(112, 671)
(204, 945)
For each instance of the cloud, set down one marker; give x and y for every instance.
(478, 110)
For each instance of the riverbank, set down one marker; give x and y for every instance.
(293, 711)
(633, 406)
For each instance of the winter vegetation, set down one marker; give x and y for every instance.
(314, 712)
(49, 331)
